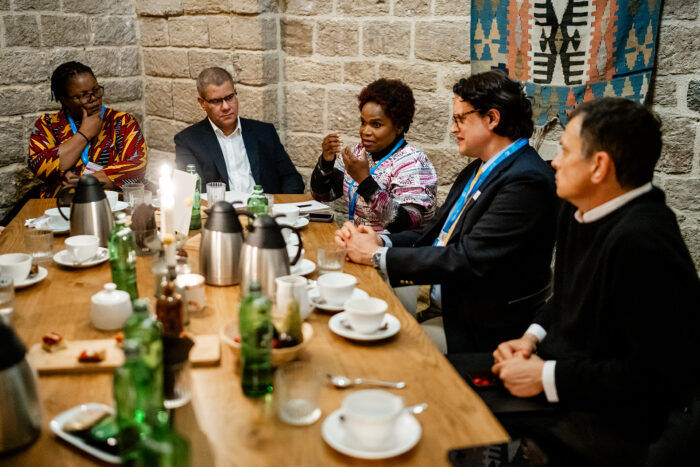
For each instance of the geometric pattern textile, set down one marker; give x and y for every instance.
(567, 51)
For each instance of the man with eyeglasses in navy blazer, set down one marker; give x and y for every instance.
(237, 151)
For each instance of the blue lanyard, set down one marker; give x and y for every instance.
(353, 201)
(84, 155)
(468, 189)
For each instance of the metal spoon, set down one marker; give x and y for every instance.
(343, 382)
(416, 409)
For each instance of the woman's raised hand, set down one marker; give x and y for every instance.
(356, 166)
(332, 144)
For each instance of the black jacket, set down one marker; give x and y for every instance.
(498, 255)
(269, 162)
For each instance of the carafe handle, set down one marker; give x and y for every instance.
(59, 197)
(301, 244)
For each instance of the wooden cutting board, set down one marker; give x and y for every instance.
(206, 351)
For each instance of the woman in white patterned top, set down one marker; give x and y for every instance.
(390, 185)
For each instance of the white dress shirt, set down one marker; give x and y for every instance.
(597, 213)
(240, 178)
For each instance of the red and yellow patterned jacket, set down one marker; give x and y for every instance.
(119, 147)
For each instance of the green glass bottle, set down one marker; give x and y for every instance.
(255, 326)
(122, 256)
(146, 329)
(163, 447)
(257, 203)
(133, 392)
(196, 219)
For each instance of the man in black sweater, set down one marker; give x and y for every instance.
(614, 347)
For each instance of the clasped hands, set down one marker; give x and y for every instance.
(519, 367)
(360, 242)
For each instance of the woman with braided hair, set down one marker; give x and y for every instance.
(84, 137)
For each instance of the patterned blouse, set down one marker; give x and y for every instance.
(119, 147)
(400, 195)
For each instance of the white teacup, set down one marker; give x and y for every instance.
(290, 212)
(112, 197)
(366, 315)
(336, 287)
(16, 265)
(56, 220)
(370, 417)
(82, 247)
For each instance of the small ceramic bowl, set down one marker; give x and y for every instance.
(110, 308)
(279, 356)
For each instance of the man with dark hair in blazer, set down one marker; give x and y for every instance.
(237, 151)
(487, 251)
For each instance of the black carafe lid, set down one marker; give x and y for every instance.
(222, 217)
(265, 233)
(12, 349)
(89, 190)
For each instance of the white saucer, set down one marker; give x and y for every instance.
(40, 276)
(406, 436)
(303, 267)
(120, 206)
(57, 427)
(44, 225)
(315, 297)
(301, 222)
(64, 258)
(339, 323)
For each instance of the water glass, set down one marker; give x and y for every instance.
(216, 191)
(39, 244)
(133, 194)
(7, 299)
(297, 388)
(331, 258)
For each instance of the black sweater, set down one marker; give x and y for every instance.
(623, 322)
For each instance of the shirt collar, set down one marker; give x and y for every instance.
(606, 208)
(238, 131)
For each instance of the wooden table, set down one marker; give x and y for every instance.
(224, 427)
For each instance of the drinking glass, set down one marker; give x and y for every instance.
(270, 201)
(39, 244)
(297, 387)
(7, 299)
(331, 258)
(133, 194)
(216, 191)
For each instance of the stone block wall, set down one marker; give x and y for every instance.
(179, 38)
(676, 98)
(38, 35)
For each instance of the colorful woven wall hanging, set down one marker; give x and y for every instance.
(567, 51)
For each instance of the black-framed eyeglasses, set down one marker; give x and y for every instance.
(86, 97)
(458, 119)
(220, 100)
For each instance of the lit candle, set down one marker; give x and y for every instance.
(167, 214)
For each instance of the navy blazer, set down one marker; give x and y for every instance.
(269, 162)
(497, 259)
